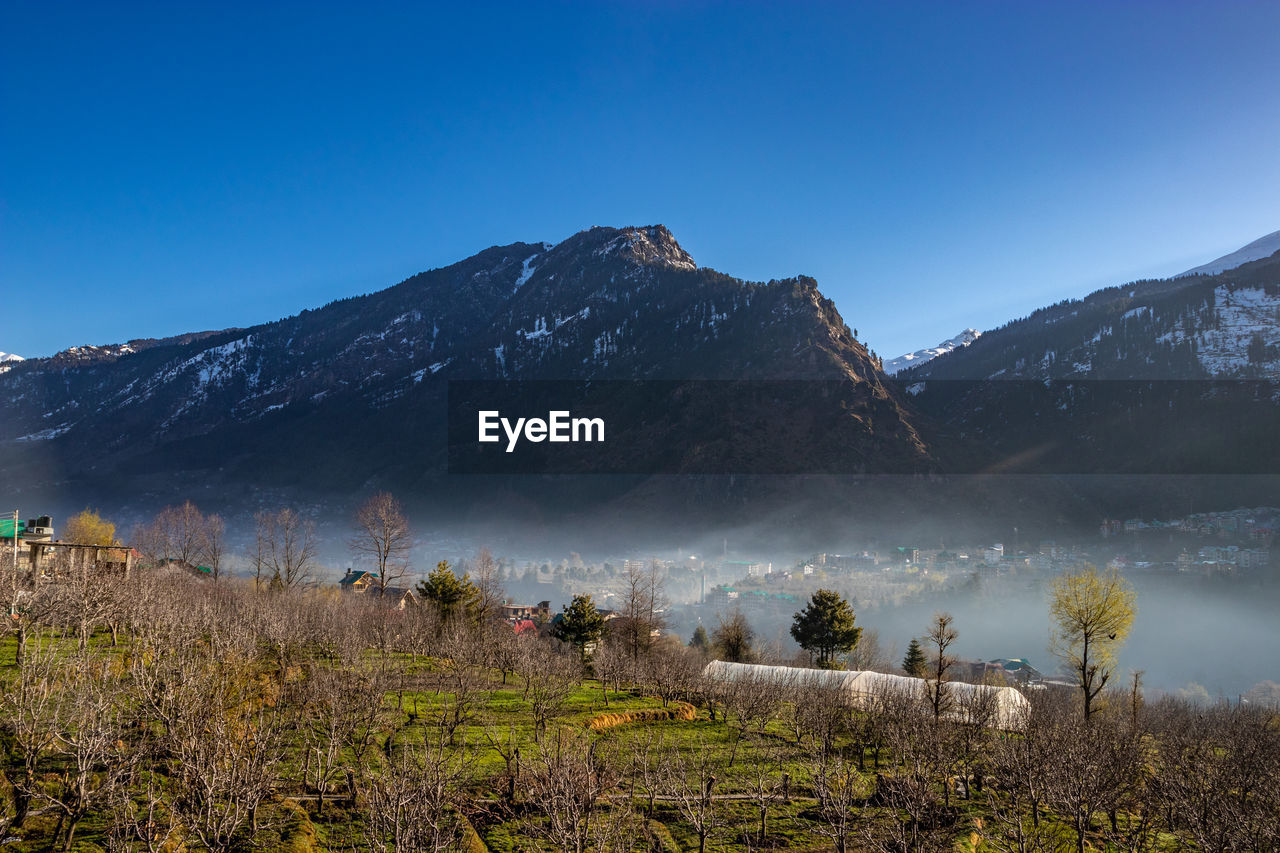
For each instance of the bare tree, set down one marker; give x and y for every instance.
(550, 675)
(413, 797)
(839, 786)
(733, 638)
(87, 742)
(643, 601)
(689, 780)
(870, 654)
(1094, 761)
(1212, 775)
(567, 783)
(940, 636)
(382, 534)
(176, 533)
(213, 545)
(284, 548)
(223, 748)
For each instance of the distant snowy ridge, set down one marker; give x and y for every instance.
(920, 356)
(1263, 247)
(8, 356)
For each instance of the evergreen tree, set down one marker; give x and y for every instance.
(450, 594)
(700, 640)
(825, 627)
(580, 624)
(914, 663)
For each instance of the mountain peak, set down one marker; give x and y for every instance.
(914, 359)
(652, 245)
(1263, 247)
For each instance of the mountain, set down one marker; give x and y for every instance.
(7, 359)
(1263, 247)
(920, 356)
(351, 396)
(1169, 376)
(1225, 326)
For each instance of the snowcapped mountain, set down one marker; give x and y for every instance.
(920, 356)
(1225, 325)
(7, 360)
(1263, 247)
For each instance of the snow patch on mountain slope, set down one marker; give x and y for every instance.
(1263, 247)
(913, 359)
(1241, 314)
(526, 272)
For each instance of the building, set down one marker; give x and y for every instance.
(357, 581)
(18, 536)
(514, 613)
(721, 596)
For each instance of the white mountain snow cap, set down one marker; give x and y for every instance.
(1263, 247)
(8, 356)
(920, 356)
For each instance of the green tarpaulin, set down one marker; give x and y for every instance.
(6, 528)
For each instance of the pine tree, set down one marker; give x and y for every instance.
(914, 663)
(580, 624)
(700, 640)
(451, 595)
(825, 627)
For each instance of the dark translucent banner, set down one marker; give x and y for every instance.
(854, 427)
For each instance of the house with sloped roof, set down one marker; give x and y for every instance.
(396, 597)
(357, 581)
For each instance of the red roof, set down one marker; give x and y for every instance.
(525, 626)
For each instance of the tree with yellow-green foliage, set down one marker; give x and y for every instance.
(1092, 614)
(89, 528)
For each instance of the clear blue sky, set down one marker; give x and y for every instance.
(176, 166)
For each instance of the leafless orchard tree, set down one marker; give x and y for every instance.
(821, 717)
(213, 545)
(382, 534)
(1094, 762)
(1020, 768)
(176, 533)
(413, 795)
(671, 670)
(30, 706)
(641, 613)
(88, 730)
(567, 782)
(341, 711)
(224, 748)
(85, 594)
(840, 787)
(549, 673)
(767, 784)
(462, 681)
(753, 701)
(1213, 775)
(284, 549)
(689, 780)
(905, 814)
